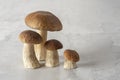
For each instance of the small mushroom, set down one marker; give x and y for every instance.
(52, 57)
(29, 38)
(43, 21)
(71, 57)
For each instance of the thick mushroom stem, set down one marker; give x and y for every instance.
(69, 64)
(29, 58)
(40, 51)
(52, 58)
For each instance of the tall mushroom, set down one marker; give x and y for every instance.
(43, 21)
(29, 38)
(52, 57)
(71, 57)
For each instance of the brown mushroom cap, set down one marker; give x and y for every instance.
(43, 20)
(53, 44)
(71, 55)
(29, 36)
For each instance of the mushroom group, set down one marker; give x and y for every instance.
(43, 21)
(37, 47)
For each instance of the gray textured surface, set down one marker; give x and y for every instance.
(91, 27)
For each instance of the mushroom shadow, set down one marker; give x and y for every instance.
(95, 50)
(42, 63)
(100, 55)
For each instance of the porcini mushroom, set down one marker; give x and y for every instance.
(52, 57)
(29, 38)
(71, 57)
(43, 21)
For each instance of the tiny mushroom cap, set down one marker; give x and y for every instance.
(29, 36)
(53, 44)
(71, 55)
(43, 20)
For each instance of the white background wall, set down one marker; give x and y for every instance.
(78, 16)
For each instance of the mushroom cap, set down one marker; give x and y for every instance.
(53, 44)
(43, 20)
(31, 37)
(71, 55)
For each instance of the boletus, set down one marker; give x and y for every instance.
(43, 21)
(52, 57)
(71, 57)
(29, 38)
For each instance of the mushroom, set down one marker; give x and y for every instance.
(71, 57)
(52, 57)
(43, 21)
(29, 38)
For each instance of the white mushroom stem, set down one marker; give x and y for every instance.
(29, 58)
(40, 51)
(69, 64)
(52, 58)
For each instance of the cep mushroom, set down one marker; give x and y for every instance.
(29, 38)
(71, 57)
(43, 21)
(52, 57)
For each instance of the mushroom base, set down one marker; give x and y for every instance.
(29, 58)
(69, 65)
(52, 58)
(40, 51)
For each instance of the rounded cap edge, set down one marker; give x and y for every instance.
(71, 55)
(53, 44)
(31, 37)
